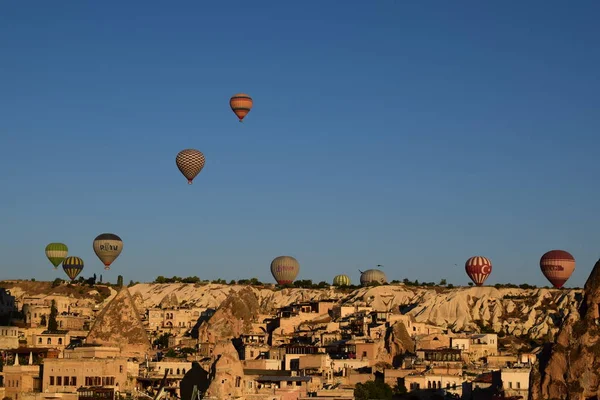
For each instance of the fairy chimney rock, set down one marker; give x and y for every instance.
(227, 373)
(119, 325)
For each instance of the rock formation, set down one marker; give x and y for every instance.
(233, 318)
(227, 373)
(398, 342)
(169, 301)
(119, 325)
(138, 301)
(536, 313)
(570, 368)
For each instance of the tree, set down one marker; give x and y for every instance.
(171, 353)
(120, 281)
(443, 282)
(400, 387)
(162, 341)
(376, 389)
(57, 282)
(52, 324)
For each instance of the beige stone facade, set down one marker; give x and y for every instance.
(66, 375)
(9, 337)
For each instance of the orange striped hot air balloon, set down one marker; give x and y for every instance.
(557, 266)
(478, 268)
(241, 104)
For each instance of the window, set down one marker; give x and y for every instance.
(66, 381)
(59, 340)
(59, 381)
(121, 369)
(510, 385)
(73, 381)
(40, 340)
(49, 341)
(51, 381)
(238, 381)
(518, 385)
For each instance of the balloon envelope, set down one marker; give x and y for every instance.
(285, 269)
(72, 266)
(107, 247)
(56, 253)
(478, 268)
(557, 266)
(372, 276)
(190, 162)
(341, 280)
(241, 104)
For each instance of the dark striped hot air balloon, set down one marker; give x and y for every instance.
(72, 266)
(557, 266)
(241, 104)
(285, 269)
(341, 280)
(190, 162)
(56, 253)
(478, 268)
(107, 247)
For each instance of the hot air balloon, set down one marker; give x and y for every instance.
(107, 247)
(285, 269)
(557, 266)
(72, 266)
(56, 253)
(241, 104)
(372, 276)
(190, 162)
(341, 280)
(478, 268)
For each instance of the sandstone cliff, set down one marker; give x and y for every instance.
(570, 369)
(534, 312)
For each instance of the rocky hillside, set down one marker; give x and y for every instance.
(534, 312)
(570, 367)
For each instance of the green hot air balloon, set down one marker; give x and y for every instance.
(72, 266)
(341, 280)
(56, 253)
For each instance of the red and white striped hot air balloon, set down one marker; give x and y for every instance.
(478, 268)
(557, 266)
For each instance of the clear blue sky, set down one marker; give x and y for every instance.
(408, 134)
